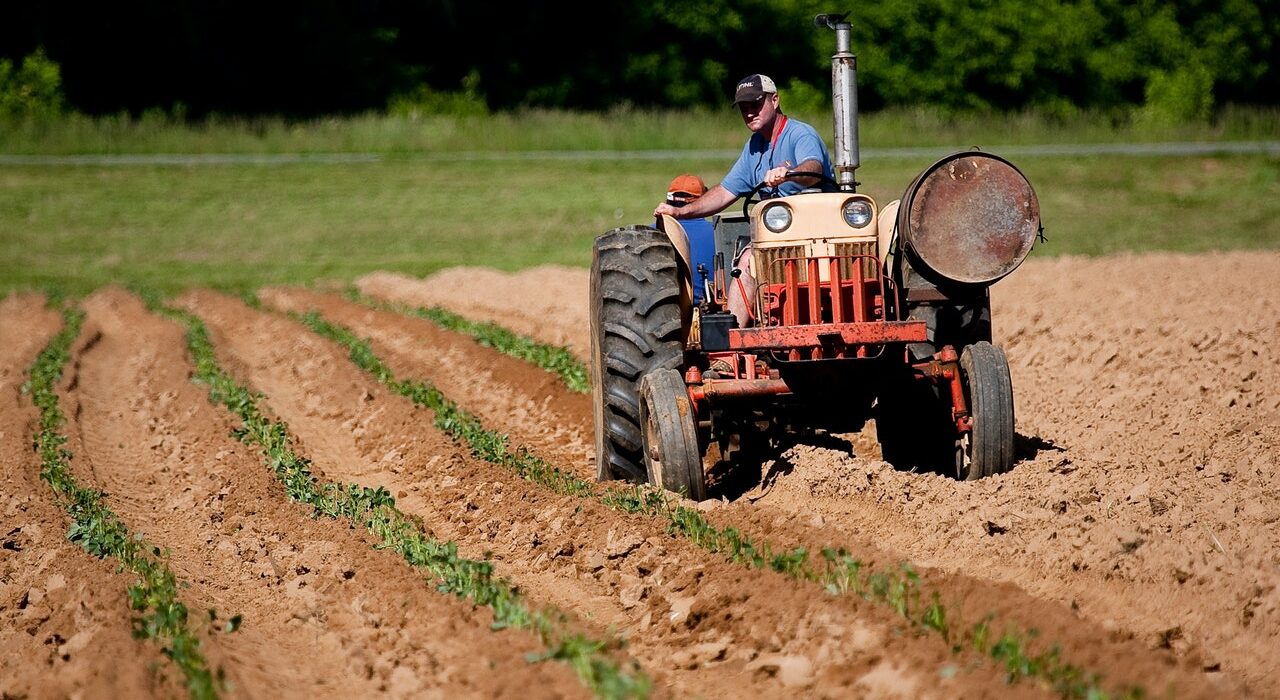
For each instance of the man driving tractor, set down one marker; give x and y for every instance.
(778, 144)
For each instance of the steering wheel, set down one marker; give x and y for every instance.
(822, 180)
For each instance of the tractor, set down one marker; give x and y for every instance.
(859, 313)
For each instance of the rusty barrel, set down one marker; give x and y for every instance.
(971, 217)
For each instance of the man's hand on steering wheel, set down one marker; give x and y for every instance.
(776, 176)
(750, 198)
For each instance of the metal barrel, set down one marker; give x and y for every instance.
(971, 217)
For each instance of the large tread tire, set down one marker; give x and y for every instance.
(635, 330)
(672, 458)
(988, 448)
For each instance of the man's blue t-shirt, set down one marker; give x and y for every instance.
(797, 143)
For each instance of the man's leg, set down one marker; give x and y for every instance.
(742, 291)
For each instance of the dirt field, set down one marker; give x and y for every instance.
(1148, 413)
(1139, 532)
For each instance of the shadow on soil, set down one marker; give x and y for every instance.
(754, 468)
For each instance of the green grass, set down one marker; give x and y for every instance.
(622, 129)
(237, 227)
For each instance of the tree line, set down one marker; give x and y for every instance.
(303, 59)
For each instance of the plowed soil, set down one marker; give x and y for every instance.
(64, 616)
(1148, 419)
(1137, 533)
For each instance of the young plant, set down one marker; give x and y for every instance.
(375, 510)
(555, 359)
(101, 533)
(898, 590)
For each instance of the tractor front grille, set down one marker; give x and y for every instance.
(772, 270)
(869, 265)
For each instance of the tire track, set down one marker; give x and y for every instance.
(61, 608)
(323, 614)
(700, 624)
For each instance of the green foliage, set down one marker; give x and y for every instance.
(1172, 57)
(99, 531)
(424, 101)
(1184, 94)
(33, 90)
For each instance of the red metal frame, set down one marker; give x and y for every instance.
(836, 319)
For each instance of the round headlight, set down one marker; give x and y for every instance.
(857, 213)
(777, 218)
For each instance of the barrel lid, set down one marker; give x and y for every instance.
(971, 217)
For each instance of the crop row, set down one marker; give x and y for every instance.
(835, 569)
(99, 530)
(375, 510)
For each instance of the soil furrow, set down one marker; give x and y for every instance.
(1148, 434)
(65, 621)
(542, 302)
(699, 624)
(534, 406)
(323, 614)
(1081, 640)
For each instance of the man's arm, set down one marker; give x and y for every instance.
(775, 177)
(713, 202)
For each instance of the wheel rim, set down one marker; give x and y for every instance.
(652, 442)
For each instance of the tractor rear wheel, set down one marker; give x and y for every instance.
(672, 457)
(635, 329)
(988, 447)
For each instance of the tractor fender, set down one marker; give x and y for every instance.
(886, 230)
(680, 241)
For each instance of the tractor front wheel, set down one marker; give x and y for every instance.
(988, 447)
(672, 457)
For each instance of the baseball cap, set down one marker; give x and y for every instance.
(686, 187)
(753, 87)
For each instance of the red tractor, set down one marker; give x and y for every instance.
(859, 313)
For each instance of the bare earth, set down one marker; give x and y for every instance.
(1138, 532)
(1148, 413)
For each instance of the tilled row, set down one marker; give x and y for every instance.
(374, 509)
(400, 340)
(319, 612)
(60, 606)
(1146, 440)
(699, 624)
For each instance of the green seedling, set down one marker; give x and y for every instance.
(554, 359)
(898, 590)
(375, 510)
(101, 533)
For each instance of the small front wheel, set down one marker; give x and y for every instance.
(672, 456)
(988, 447)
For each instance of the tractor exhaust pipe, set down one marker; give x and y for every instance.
(844, 100)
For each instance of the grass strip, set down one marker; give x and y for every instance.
(552, 358)
(375, 510)
(838, 572)
(96, 528)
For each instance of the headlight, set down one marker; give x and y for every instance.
(857, 213)
(777, 218)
